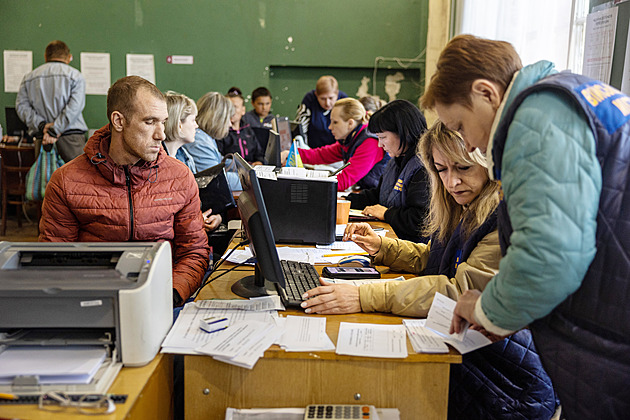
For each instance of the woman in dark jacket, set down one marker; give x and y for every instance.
(401, 197)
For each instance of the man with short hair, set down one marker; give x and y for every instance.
(50, 102)
(126, 188)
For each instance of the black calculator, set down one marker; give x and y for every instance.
(337, 411)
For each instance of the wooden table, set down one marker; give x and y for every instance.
(416, 385)
(149, 389)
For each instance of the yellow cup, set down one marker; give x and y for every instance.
(343, 211)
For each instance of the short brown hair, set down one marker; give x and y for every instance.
(467, 58)
(121, 95)
(326, 84)
(56, 49)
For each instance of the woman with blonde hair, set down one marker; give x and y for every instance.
(503, 380)
(463, 252)
(180, 127)
(355, 144)
(215, 111)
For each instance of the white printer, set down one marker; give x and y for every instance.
(115, 295)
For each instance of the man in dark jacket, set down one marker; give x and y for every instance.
(125, 188)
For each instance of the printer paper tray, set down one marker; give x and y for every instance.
(100, 384)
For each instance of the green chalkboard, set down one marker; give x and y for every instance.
(282, 44)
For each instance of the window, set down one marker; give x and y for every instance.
(538, 29)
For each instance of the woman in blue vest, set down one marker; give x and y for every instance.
(559, 144)
(503, 380)
(401, 197)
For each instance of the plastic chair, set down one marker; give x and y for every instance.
(16, 160)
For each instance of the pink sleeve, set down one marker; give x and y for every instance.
(322, 155)
(361, 162)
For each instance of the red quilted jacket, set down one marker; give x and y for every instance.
(92, 199)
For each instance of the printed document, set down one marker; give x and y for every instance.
(372, 340)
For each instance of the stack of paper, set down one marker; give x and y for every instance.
(305, 333)
(53, 364)
(185, 335)
(425, 337)
(253, 326)
(242, 344)
(372, 340)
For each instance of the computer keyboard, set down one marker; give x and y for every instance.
(299, 277)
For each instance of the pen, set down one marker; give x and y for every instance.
(340, 169)
(8, 396)
(346, 254)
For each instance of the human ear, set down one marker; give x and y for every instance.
(488, 90)
(118, 120)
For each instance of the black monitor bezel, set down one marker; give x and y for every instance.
(252, 208)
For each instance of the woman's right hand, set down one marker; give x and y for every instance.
(363, 235)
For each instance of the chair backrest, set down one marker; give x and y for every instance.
(15, 162)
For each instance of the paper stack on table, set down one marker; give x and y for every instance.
(372, 340)
(430, 336)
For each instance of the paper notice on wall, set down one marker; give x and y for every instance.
(599, 44)
(142, 65)
(95, 67)
(16, 65)
(625, 78)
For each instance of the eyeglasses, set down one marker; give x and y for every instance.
(85, 404)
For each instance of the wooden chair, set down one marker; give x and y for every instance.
(15, 161)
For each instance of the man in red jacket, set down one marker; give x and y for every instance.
(125, 188)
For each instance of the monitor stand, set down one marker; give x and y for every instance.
(250, 286)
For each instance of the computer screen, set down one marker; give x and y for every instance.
(15, 126)
(284, 129)
(251, 207)
(272, 152)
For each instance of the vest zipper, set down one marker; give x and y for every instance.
(128, 179)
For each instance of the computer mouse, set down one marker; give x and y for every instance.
(355, 261)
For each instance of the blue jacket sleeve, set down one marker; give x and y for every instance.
(25, 110)
(551, 182)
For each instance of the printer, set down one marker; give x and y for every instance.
(114, 295)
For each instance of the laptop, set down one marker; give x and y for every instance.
(214, 190)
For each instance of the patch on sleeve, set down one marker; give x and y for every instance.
(610, 105)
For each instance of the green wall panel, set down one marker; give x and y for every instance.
(234, 42)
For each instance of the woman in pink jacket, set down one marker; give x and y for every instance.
(355, 144)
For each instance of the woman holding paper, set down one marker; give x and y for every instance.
(463, 254)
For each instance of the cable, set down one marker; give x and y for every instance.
(399, 61)
(206, 278)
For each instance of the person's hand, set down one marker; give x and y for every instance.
(376, 210)
(464, 310)
(46, 127)
(363, 235)
(283, 157)
(332, 299)
(492, 337)
(211, 221)
(257, 163)
(48, 139)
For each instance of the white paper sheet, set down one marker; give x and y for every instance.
(95, 67)
(142, 65)
(305, 333)
(423, 339)
(264, 303)
(372, 340)
(16, 65)
(599, 44)
(53, 364)
(440, 316)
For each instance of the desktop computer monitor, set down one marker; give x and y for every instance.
(284, 129)
(272, 152)
(251, 207)
(15, 126)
